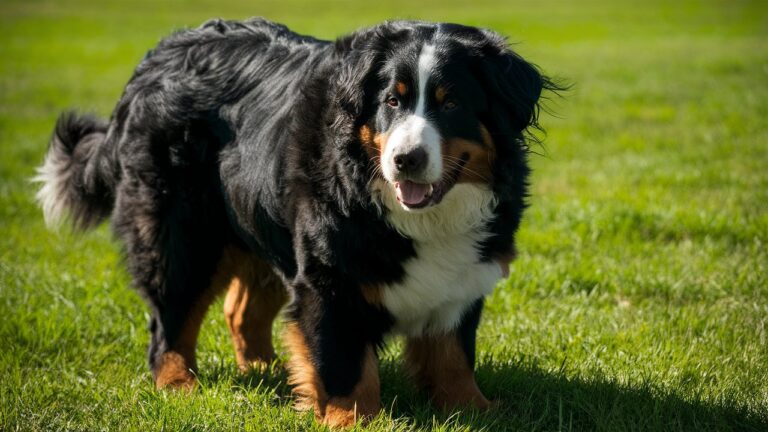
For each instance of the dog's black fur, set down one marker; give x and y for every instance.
(245, 134)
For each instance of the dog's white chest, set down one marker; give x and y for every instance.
(439, 285)
(446, 276)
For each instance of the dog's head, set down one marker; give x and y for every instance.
(436, 105)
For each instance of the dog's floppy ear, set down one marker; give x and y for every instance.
(355, 80)
(513, 82)
(517, 84)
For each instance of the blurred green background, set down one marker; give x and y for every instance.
(640, 297)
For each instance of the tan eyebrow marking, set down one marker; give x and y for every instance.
(401, 88)
(440, 94)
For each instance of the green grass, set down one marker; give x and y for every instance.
(640, 297)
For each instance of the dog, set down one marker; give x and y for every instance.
(372, 185)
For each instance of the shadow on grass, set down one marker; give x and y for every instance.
(528, 398)
(274, 378)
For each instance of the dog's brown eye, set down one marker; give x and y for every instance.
(393, 102)
(450, 105)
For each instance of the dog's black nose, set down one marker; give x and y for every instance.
(411, 162)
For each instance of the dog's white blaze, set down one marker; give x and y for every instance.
(445, 277)
(416, 130)
(426, 65)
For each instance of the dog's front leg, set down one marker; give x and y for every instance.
(333, 365)
(443, 364)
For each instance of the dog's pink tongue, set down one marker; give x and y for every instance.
(410, 193)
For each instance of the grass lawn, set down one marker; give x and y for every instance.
(640, 297)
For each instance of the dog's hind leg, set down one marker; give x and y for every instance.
(171, 217)
(173, 261)
(172, 349)
(254, 298)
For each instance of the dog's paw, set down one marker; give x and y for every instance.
(340, 413)
(173, 373)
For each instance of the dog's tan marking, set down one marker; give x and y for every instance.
(302, 375)
(174, 370)
(369, 145)
(254, 298)
(479, 157)
(478, 167)
(372, 294)
(440, 366)
(176, 367)
(373, 143)
(401, 88)
(440, 94)
(363, 403)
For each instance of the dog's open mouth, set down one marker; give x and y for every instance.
(414, 195)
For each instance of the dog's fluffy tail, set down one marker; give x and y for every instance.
(79, 174)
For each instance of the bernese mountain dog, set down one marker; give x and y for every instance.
(372, 185)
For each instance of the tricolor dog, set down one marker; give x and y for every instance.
(371, 185)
